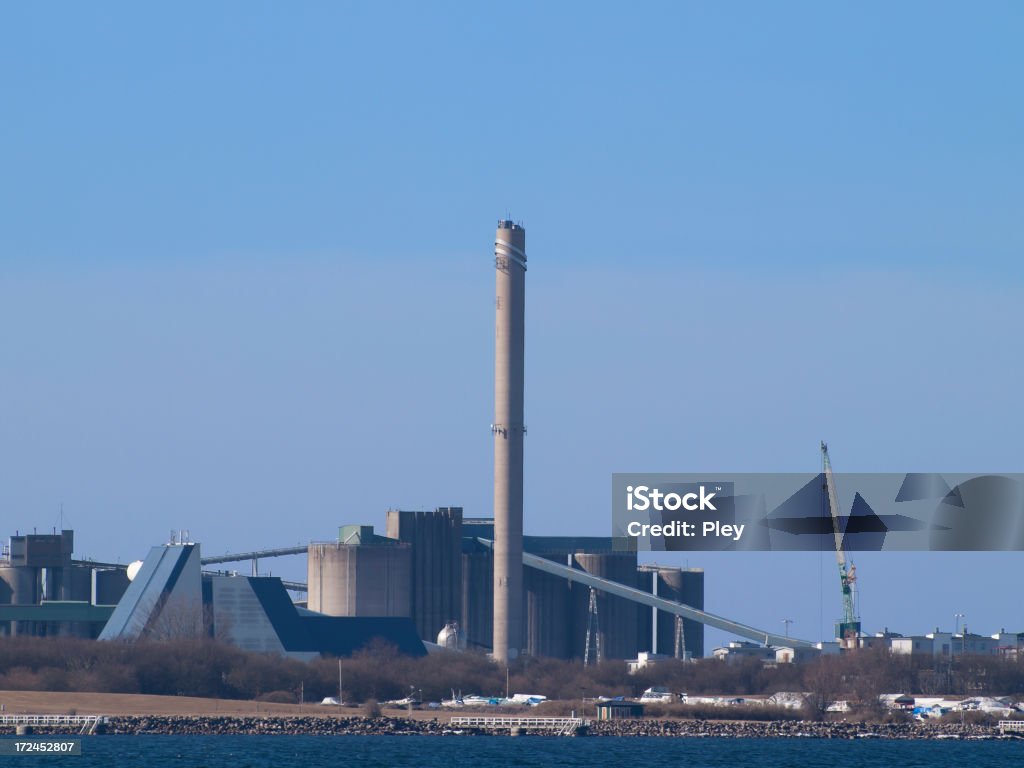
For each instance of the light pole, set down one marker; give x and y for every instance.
(787, 622)
(957, 617)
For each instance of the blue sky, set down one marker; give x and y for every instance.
(246, 281)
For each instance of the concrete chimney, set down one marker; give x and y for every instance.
(508, 430)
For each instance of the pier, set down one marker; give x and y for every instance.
(557, 726)
(86, 724)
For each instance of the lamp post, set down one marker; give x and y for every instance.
(787, 622)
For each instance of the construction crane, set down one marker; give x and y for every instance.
(847, 628)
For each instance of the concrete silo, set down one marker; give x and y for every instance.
(617, 617)
(360, 575)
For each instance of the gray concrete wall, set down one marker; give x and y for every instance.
(478, 599)
(435, 539)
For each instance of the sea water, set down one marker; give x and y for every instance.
(528, 751)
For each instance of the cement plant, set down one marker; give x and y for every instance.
(432, 580)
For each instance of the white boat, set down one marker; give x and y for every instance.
(454, 702)
(412, 700)
(481, 701)
(657, 693)
(526, 699)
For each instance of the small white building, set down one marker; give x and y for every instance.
(646, 659)
(787, 655)
(738, 650)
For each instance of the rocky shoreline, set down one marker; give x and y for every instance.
(396, 726)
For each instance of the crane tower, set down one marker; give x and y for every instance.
(848, 627)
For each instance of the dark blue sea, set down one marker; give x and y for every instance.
(532, 751)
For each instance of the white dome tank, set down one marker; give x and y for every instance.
(451, 637)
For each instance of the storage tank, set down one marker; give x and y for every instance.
(369, 579)
(617, 618)
(451, 637)
(18, 585)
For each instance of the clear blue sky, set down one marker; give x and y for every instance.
(247, 280)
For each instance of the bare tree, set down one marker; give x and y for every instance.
(824, 682)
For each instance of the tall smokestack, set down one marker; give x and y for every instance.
(508, 429)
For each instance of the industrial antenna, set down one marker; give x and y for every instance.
(847, 628)
(593, 628)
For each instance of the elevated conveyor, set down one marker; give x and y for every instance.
(653, 601)
(237, 557)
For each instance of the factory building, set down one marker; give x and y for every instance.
(45, 592)
(434, 570)
(449, 584)
(170, 597)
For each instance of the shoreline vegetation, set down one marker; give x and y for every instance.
(193, 686)
(209, 669)
(132, 714)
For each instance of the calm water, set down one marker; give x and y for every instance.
(533, 751)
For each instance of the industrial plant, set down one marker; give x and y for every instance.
(434, 578)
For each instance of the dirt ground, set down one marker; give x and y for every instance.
(59, 703)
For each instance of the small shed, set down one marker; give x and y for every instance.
(619, 710)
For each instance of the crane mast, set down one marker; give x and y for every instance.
(847, 628)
